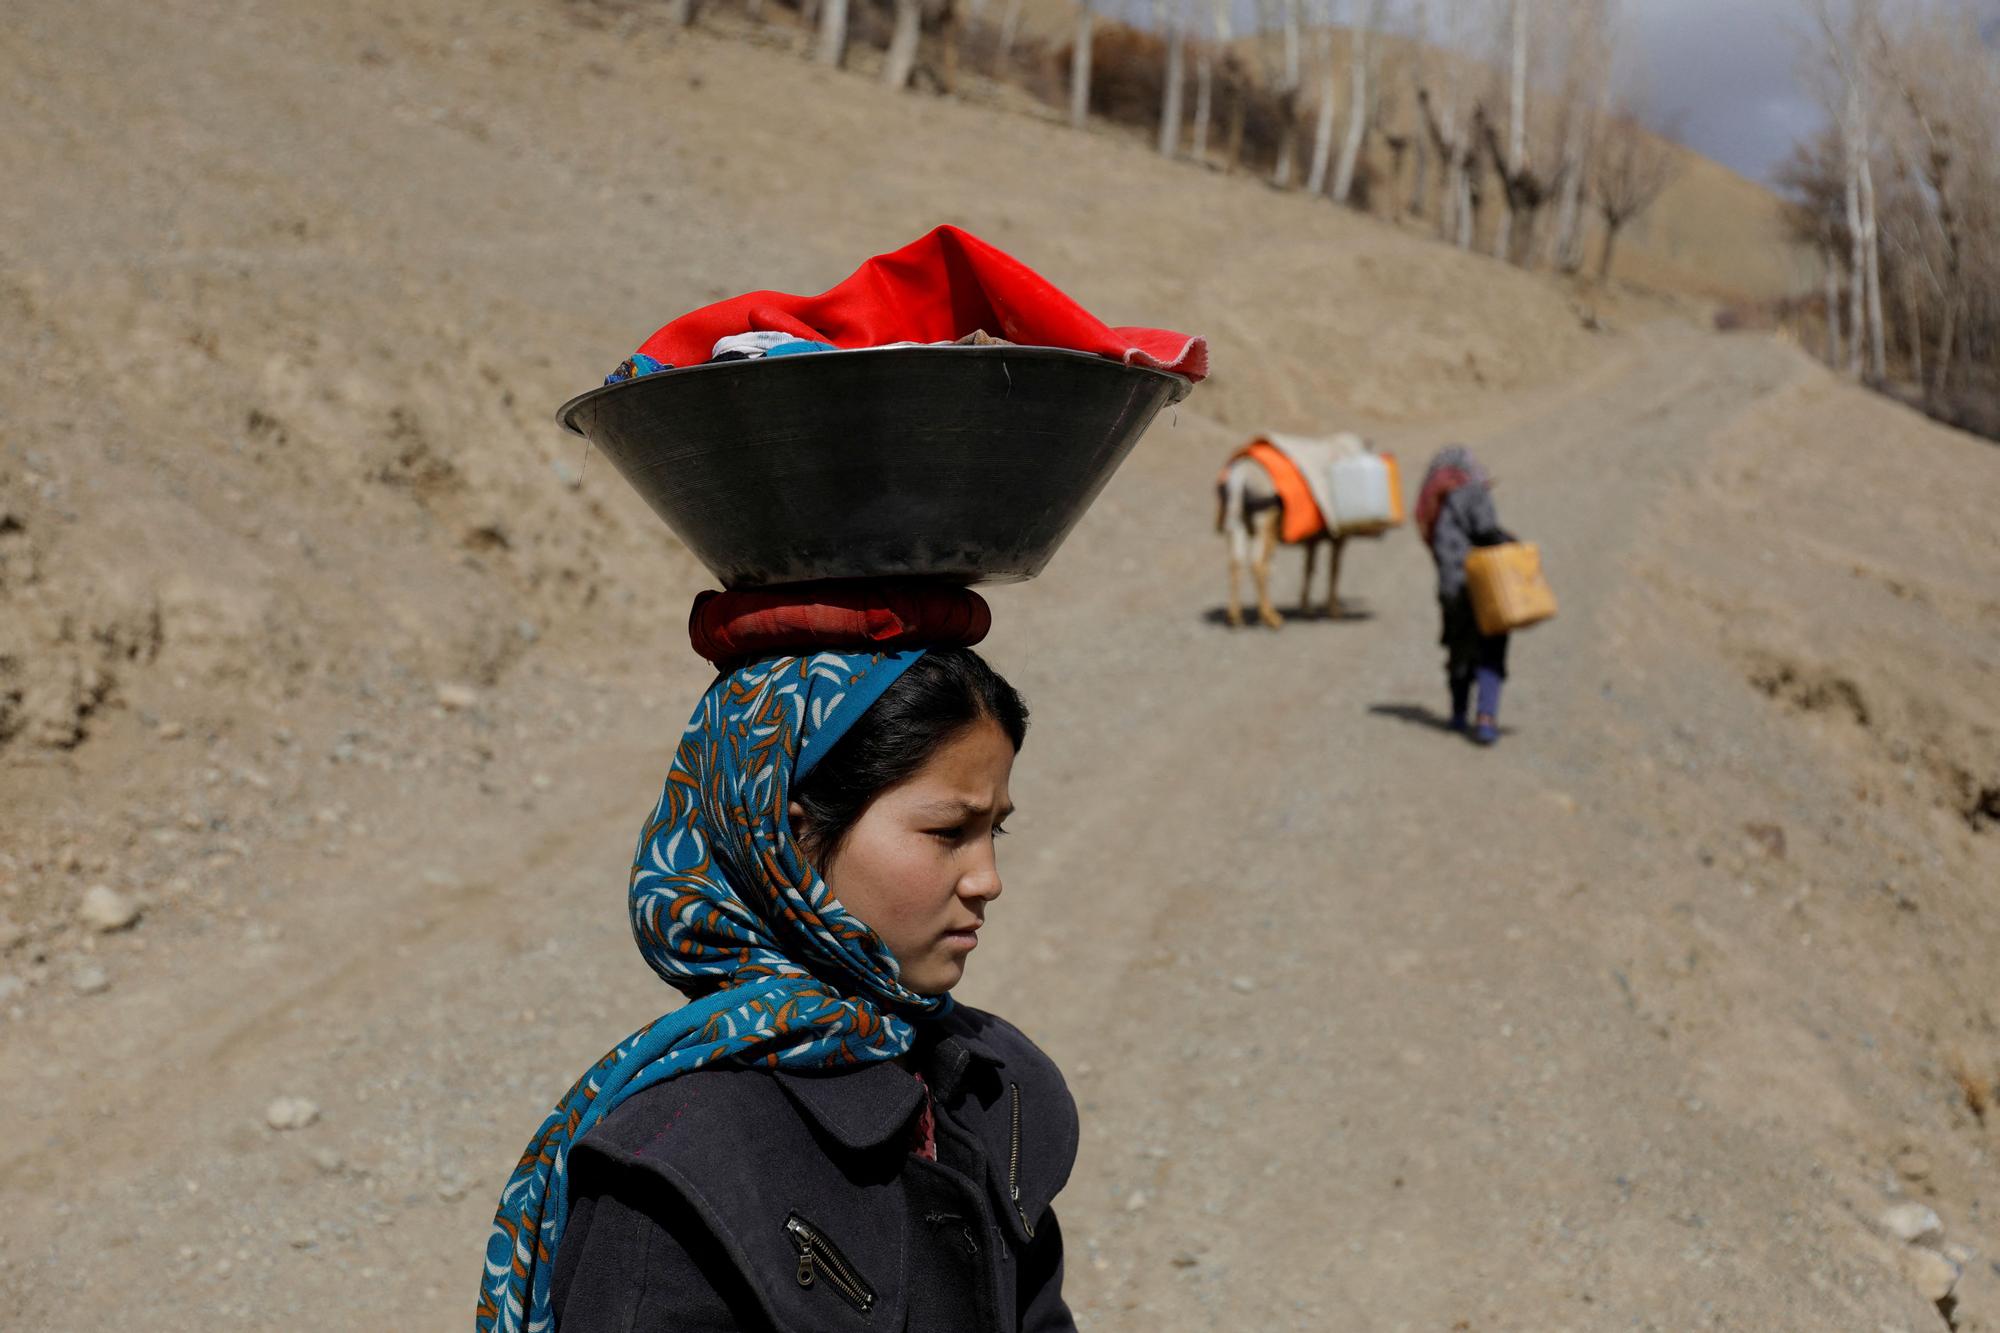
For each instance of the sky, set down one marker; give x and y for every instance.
(1723, 76)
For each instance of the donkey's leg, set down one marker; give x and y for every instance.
(1267, 545)
(1333, 579)
(1239, 556)
(1306, 587)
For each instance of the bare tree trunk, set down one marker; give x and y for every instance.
(1290, 10)
(1857, 318)
(1239, 112)
(1913, 316)
(1288, 93)
(1204, 102)
(1467, 206)
(1947, 341)
(1281, 173)
(1589, 102)
(961, 32)
(1079, 69)
(1610, 243)
(1419, 71)
(1575, 108)
(1357, 103)
(1831, 262)
(1322, 150)
(901, 58)
(1421, 185)
(1010, 31)
(1566, 244)
(1443, 134)
(833, 32)
(1176, 81)
(1517, 126)
(1872, 247)
(1517, 90)
(1204, 80)
(683, 13)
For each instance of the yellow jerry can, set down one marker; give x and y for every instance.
(1508, 590)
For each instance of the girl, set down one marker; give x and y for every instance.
(1454, 514)
(821, 1139)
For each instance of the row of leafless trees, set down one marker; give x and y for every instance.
(1498, 122)
(1901, 193)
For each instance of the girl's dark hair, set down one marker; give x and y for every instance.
(940, 695)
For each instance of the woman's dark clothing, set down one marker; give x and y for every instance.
(791, 1202)
(1467, 651)
(1465, 519)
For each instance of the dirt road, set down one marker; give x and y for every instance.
(358, 679)
(1449, 1063)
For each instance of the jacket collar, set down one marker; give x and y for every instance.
(857, 1107)
(967, 1027)
(863, 1107)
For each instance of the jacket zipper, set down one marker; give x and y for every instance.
(817, 1255)
(1014, 1161)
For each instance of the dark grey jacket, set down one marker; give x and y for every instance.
(752, 1199)
(1466, 519)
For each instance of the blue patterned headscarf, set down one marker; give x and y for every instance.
(728, 910)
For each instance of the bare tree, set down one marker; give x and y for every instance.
(1445, 124)
(1079, 67)
(1844, 47)
(1421, 140)
(1010, 32)
(1523, 191)
(1288, 92)
(1940, 119)
(1322, 149)
(1171, 17)
(833, 33)
(1357, 100)
(1204, 81)
(1453, 149)
(1631, 170)
(1515, 161)
(1586, 96)
(901, 60)
(1815, 179)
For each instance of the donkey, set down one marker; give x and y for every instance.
(1249, 511)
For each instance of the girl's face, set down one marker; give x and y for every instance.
(918, 866)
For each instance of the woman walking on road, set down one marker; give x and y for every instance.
(1454, 514)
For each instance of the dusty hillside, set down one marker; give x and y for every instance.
(324, 648)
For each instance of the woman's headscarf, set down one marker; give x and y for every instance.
(726, 909)
(1452, 467)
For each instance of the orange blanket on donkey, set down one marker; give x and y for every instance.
(1300, 519)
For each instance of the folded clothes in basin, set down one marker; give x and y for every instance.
(946, 287)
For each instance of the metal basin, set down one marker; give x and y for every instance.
(963, 463)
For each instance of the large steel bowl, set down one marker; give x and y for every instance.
(963, 463)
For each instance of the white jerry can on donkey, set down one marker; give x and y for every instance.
(1367, 494)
